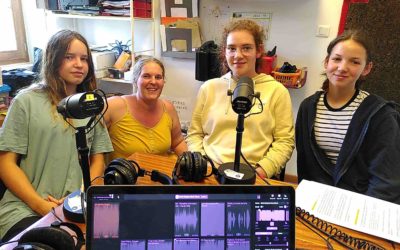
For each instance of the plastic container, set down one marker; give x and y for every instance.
(291, 80)
(267, 64)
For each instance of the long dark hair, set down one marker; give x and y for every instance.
(357, 36)
(56, 49)
(243, 24)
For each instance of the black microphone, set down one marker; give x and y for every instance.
(242, 96)
(81, 105)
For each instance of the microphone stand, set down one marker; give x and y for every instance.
(83, 151)
(74, 213)
(236, 172)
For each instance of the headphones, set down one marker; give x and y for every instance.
(192, 166)
(53, 237)
(121, 171)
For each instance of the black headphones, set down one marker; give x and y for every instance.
(121, 171)
(192, 166)
(53, 237)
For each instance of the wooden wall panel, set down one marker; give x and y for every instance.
(381, 21)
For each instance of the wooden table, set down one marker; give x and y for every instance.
(305, 238)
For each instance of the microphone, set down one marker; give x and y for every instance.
(242, 96)
(81, 105)
(242, 102)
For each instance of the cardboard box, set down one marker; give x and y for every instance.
(103, 60)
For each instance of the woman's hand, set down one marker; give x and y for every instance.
(46, 206)
(56, 201)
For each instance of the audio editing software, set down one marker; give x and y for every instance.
(192, 221)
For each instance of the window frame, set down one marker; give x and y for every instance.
(21, 54)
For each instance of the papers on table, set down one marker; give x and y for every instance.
(349, 209)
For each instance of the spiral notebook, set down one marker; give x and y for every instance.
(190, 217)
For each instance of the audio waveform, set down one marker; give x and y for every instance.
(212, 244)
(186, 244)
(212, 219)
(238, 244)
(133, 245)
(186, 219)
(270, 215)
(106, 220)
(238, 219)
(159, 245)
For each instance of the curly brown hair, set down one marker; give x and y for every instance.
(243, 24)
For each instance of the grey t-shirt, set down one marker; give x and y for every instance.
(49, 158)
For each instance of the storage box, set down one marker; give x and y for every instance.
(289, 80)
(103, 60)
(267, 64)
(142, 13)
(142, 8)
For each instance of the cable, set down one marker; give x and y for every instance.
(53, 211)
(335, 233)
(254, 169)
(261, 105)
(89, 125)
(328, 244)
(98, 177)
(8, 242)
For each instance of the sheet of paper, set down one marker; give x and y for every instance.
(179, 12)
(162, 38)
(349, 209)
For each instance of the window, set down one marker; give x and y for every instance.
(13, 45)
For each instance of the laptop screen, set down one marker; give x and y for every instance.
(190, 217)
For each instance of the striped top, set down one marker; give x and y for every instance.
(331, 124)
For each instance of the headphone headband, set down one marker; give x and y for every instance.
(192, 166)
(122, 171)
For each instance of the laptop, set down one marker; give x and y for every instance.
(230, 217)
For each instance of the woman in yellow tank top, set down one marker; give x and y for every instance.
(143, 122)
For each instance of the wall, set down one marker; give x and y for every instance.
(293, 28)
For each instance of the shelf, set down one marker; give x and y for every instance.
(176, 54)
(116, 18)
(108, 79)
(110, 85)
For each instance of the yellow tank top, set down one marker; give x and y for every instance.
(128, 136)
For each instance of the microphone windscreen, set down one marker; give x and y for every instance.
(81, 105)
(243, 95)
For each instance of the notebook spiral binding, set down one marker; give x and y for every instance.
(335, 233)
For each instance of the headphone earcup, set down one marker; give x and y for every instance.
(203, 166)
(47, 238)
(188, 174)
(197, 176)
(120, 171)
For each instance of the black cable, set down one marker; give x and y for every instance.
(254, 102)
(254, 169)
(53, 211)
(335, 233)
(98, 177)
(328, 244)
(90, 127)
(8, 242)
